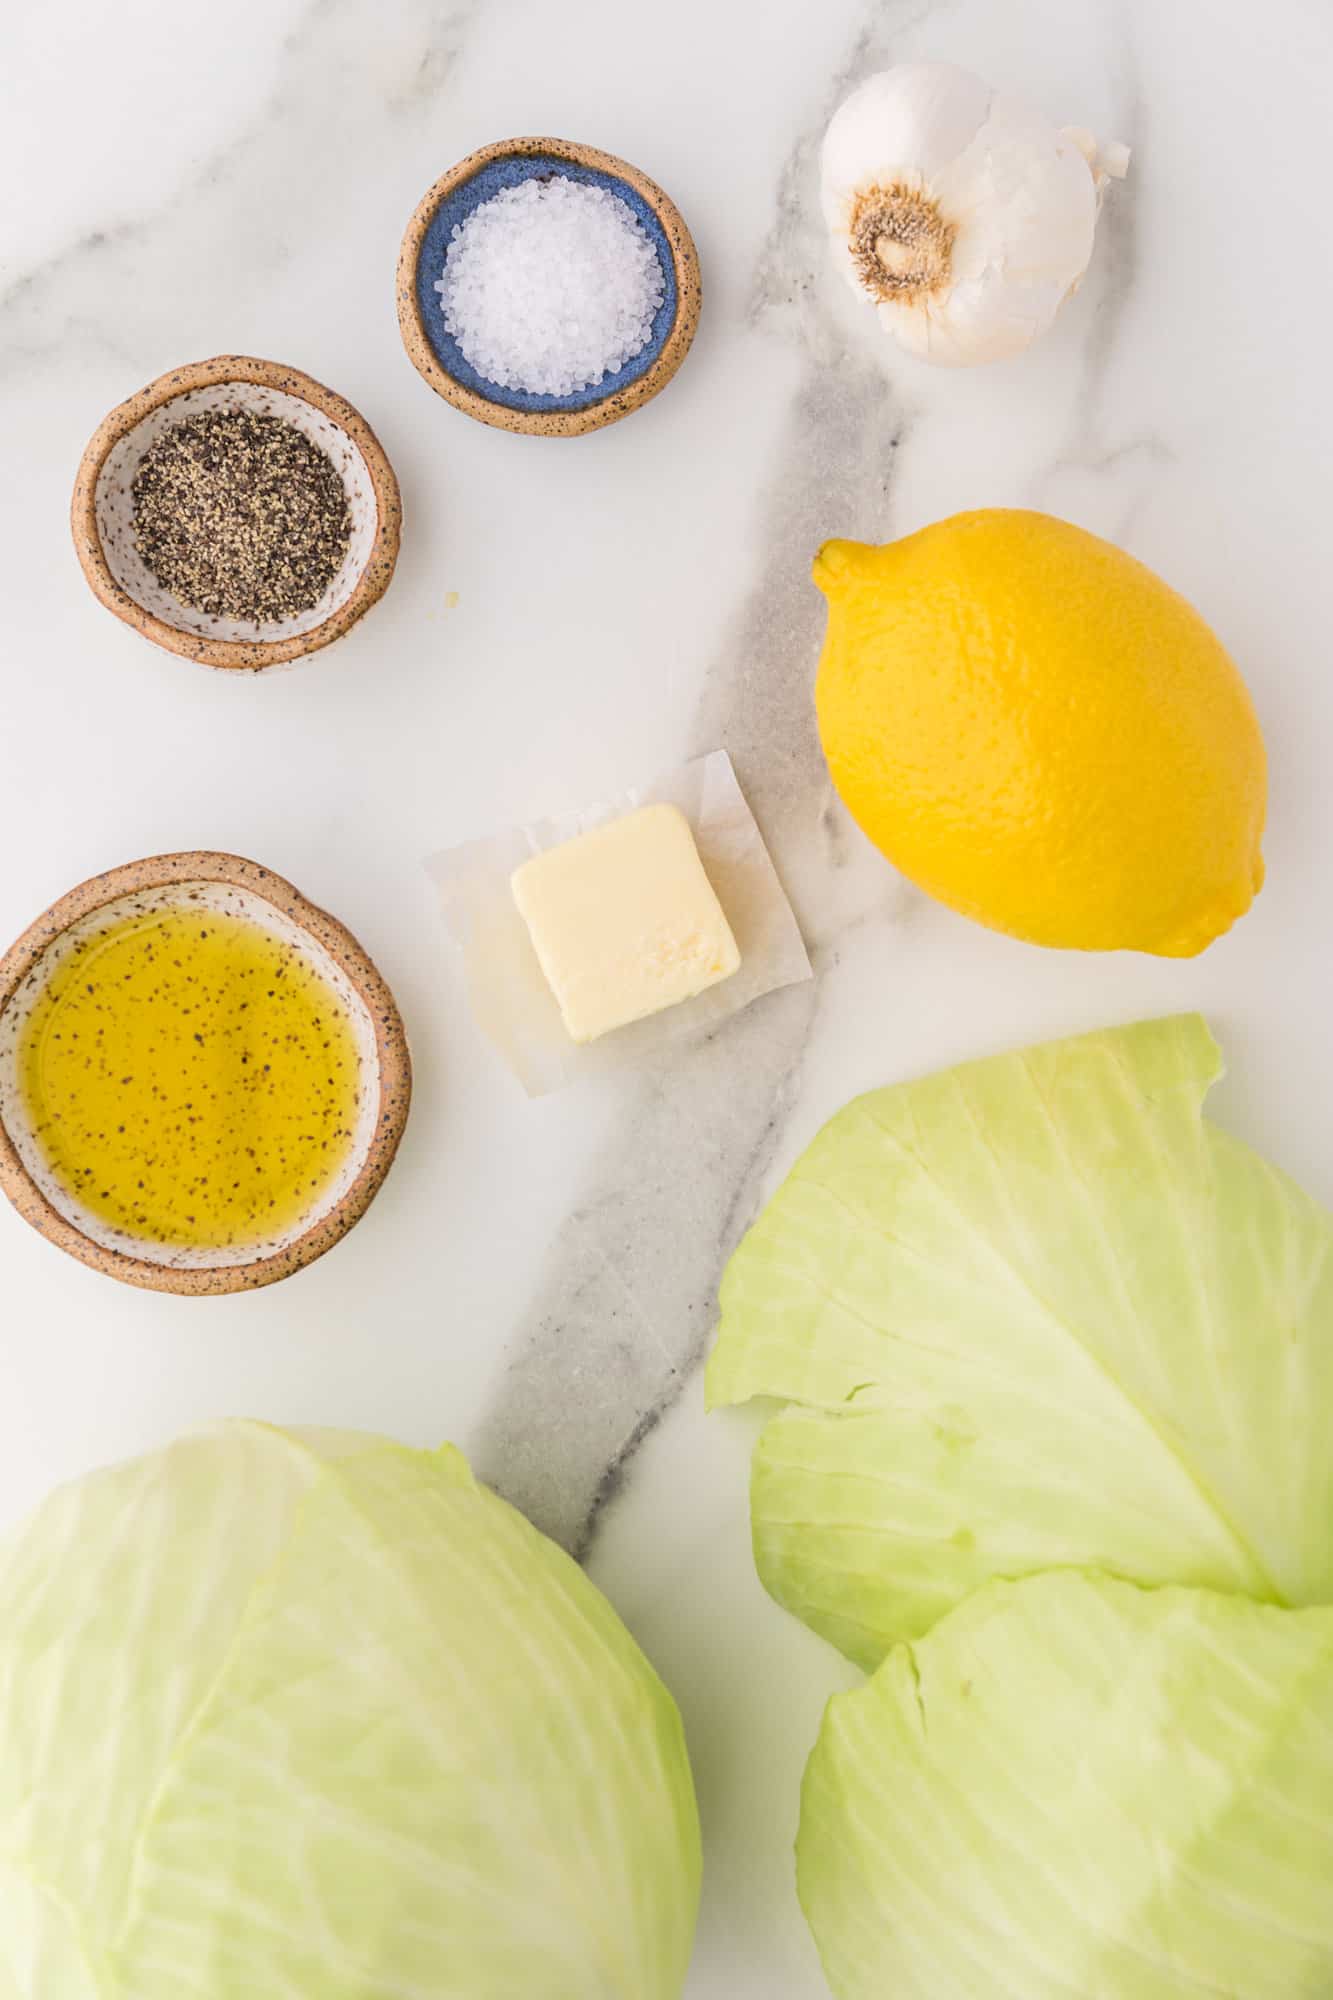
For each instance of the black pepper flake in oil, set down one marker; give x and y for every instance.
(240, 515)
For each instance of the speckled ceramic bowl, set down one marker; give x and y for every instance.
(218, 882)
(436, 353)
(102, 512)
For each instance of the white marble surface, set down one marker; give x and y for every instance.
(536, 1279)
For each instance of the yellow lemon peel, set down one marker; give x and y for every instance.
(1041, 733)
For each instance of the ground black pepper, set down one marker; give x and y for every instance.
(240, 515)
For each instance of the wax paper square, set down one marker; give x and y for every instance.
(511, 1000)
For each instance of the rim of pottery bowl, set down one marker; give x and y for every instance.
(236, 655)
(390, 1067)
(618, 402)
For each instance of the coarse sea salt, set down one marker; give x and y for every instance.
(551, 286)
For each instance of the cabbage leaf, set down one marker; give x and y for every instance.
(1035, 1312)
(1074, 1788)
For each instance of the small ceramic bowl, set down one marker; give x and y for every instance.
(102, 513)
(436, 353)
(226, 883)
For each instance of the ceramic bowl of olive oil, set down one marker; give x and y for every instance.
(237, 512)
(203, 1078)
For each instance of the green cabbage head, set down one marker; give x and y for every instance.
(302, 1714)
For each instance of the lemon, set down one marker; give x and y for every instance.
(1039, 732)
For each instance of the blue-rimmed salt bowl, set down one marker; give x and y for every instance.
(437, 355)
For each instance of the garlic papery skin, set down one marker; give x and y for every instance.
(962, 215)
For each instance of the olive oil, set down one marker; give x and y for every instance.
(191, 1078)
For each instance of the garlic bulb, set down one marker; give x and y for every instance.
(959, 212)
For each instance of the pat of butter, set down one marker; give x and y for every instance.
(624, 921)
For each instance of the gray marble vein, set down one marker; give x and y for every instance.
(625, 1308)
(222, 217)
